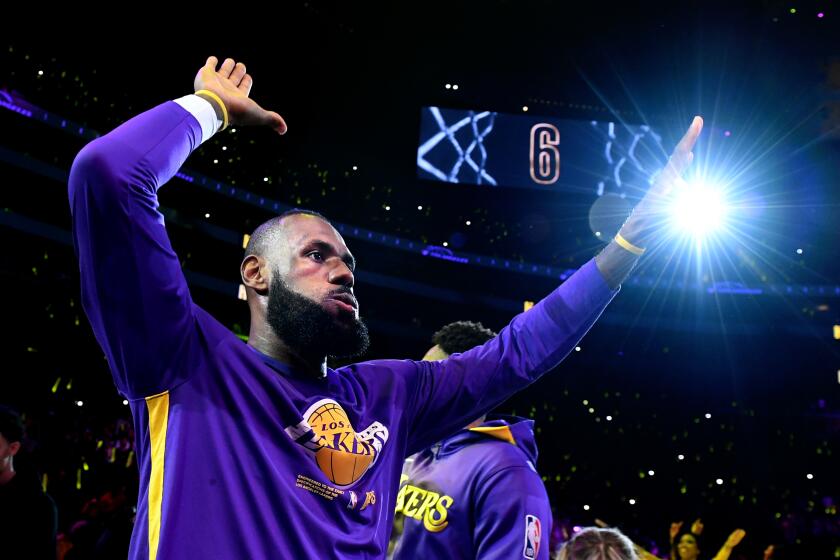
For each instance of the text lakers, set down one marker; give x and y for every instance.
(424, 505)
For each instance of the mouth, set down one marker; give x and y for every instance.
(345, 301)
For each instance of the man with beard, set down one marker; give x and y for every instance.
(260, 450)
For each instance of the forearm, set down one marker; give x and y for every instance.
(724, 553)
(537, 340)
(455, 391)
(615, 264)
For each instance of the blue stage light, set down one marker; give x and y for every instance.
(699, 209)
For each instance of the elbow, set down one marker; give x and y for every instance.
(94, 161)
(98, 173)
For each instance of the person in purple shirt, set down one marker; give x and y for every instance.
(476, 494)
(260, 450)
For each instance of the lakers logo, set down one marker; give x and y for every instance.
(341, 453)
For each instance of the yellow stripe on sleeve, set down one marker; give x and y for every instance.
(158, 406)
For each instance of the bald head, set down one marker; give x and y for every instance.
(271, 233)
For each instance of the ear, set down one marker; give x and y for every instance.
(14, 447)
(254, 273)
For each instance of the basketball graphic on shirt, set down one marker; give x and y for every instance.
(341, 453)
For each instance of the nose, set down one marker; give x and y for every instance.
(341, 274)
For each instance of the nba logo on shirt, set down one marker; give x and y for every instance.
(533, 531)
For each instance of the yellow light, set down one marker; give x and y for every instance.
(836, 332)
(527, 305)
(78, 479)
(245, 239)
(55, 385)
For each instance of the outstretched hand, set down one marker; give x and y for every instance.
(735, 538)
(641, 227)
(675, 529)
(697, 526)
(233, 85)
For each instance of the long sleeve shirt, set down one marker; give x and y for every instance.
(241, 456)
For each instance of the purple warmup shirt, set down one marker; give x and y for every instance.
(476, 496)
(241, 456)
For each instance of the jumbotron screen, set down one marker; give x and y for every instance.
(505, 150)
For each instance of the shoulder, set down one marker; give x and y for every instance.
(502, 460)
(502, 454)
(382, 371)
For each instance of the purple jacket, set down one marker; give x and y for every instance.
(476, 495)
(241, 456)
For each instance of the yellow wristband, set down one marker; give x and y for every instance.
(638, 251)
(221, 103)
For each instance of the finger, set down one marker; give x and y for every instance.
(276, 122)
(686, 144)
(237, 74)
(227, 68)
(211, 63)
(683, 155)
(246, 84)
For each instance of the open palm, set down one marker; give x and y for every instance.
(233, 85)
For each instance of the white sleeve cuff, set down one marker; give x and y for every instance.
(203, 112)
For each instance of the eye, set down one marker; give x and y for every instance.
(316, 256)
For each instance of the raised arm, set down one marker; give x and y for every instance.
(133, 289)
(459, 389)
(455, 391)
(734, 540)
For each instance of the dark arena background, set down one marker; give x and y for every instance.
(473, 155)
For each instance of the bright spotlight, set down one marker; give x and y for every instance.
(699, 209)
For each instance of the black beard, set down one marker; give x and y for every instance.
(309, 329)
